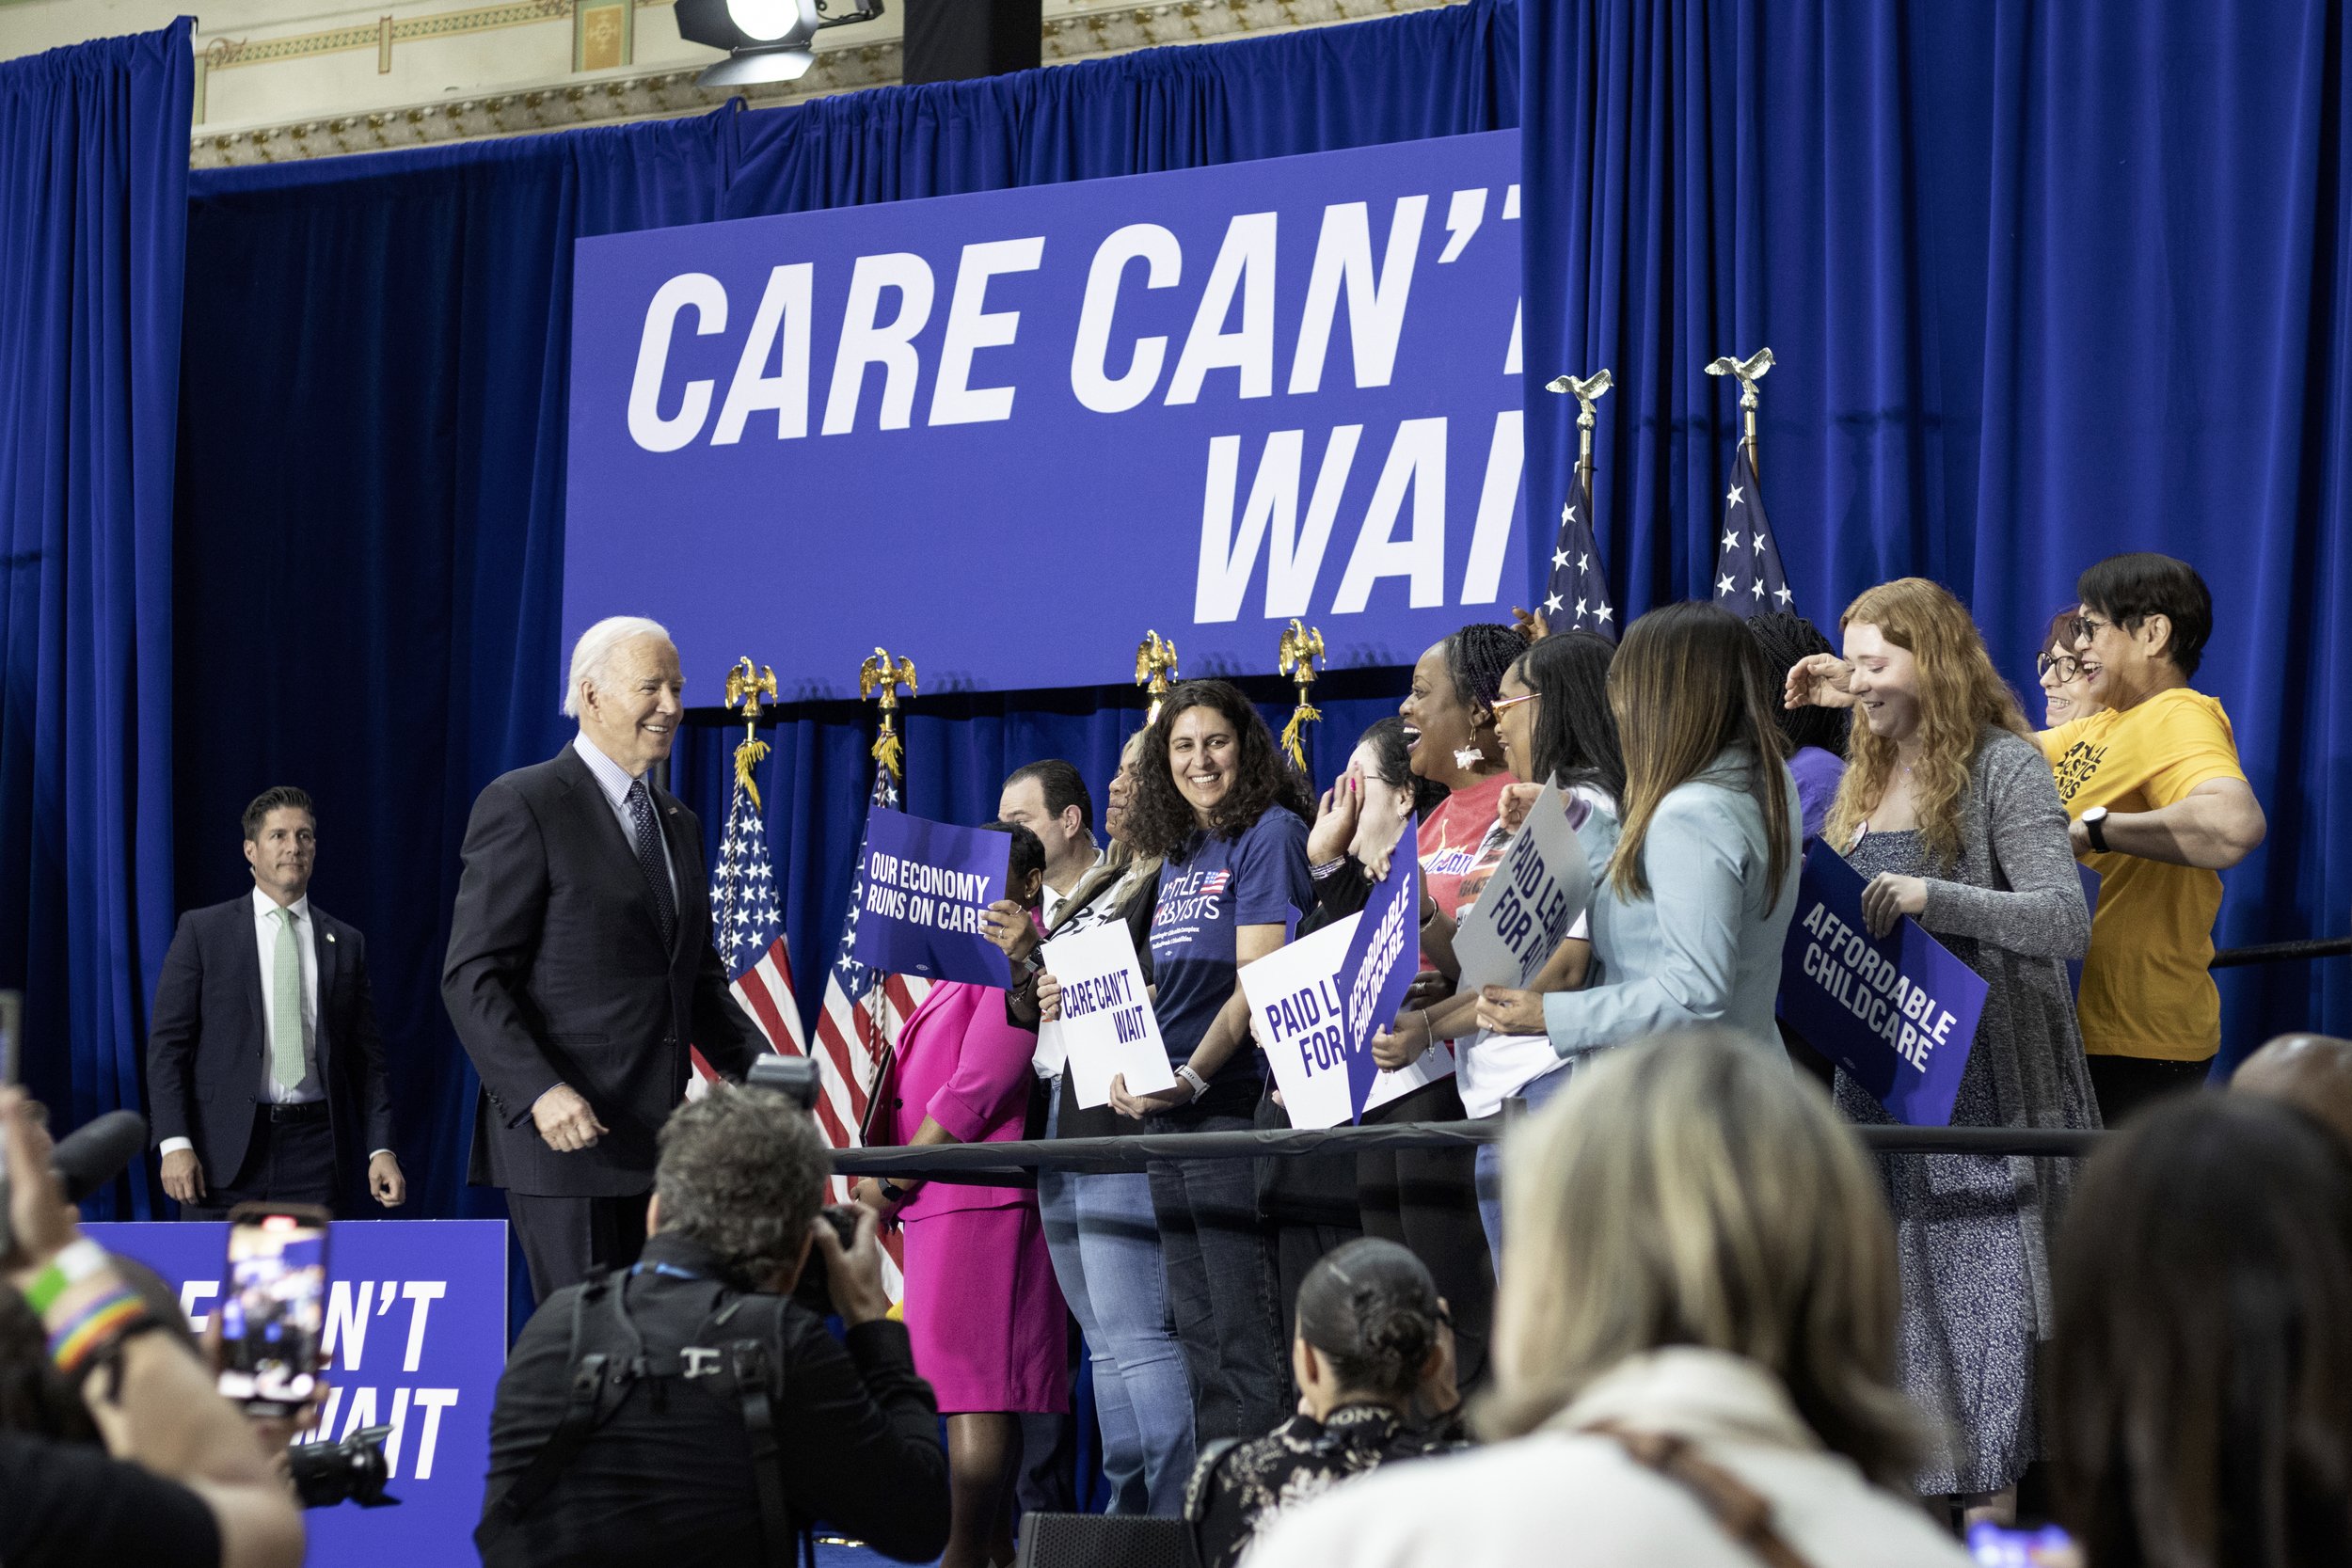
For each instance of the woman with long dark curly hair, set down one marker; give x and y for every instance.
(1214, 799)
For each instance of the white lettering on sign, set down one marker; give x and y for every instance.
(782, 322)
(1375, 302)
(971, 327)
(646, 427)
(866, 341)
(1090, 380)
(1245, 266)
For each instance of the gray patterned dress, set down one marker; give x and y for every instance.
(1972, 1231)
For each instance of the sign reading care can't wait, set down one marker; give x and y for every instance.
(1285, 387)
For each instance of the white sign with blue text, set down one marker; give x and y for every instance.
(1107, 1025)
(1296, 1009)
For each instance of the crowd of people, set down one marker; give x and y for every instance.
(1680, 1280)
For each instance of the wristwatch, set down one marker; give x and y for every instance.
(1193, 1079)
(2096, 828)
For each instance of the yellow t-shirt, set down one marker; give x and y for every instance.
(2146, 990)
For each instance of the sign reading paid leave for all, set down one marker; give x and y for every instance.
(1897, 1012)
(1531, 900)
(1293, 995)
(924, 887)
(1107, 1025)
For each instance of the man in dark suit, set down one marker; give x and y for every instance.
(580, 968)
(264, 1069)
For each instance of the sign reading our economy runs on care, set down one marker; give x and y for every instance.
(1244, 393)
(1899, 1012)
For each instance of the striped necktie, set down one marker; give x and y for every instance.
(649, 859)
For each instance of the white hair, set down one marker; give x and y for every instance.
(595, 650)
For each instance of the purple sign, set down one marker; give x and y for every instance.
(926, 884)
(1382, 958)
(1254, 391)
(416, 1337)
(1897, 1012)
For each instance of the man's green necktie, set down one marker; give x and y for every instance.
(285, 1031)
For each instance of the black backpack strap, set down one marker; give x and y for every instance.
(578, 1420)
(747, 1364)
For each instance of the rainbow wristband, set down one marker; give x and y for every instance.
(93, 1328)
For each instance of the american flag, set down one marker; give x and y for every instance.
(1576, 597)
(748, 929)
(864, 1011)
(1748, 578)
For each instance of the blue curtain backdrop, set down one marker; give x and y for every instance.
(2045, 283)
(93, 210)
(372, 471)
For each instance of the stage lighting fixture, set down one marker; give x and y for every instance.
(766, 40)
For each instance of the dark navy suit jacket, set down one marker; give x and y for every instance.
(208, 1046)
(557, 975)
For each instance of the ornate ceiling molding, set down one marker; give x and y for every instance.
(612, 98)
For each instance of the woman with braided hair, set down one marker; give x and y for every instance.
(1427, 1200)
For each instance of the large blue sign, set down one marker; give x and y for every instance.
(1007, 433)
(926, 884)
(1897, 1012)
(1382, 958)
(416, 1337)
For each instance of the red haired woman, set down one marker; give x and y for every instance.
(1949, 807)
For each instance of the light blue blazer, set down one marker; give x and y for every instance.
(1705, 946)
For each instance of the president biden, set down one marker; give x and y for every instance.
(580, 966)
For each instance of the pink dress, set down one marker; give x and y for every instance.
(986, 1317)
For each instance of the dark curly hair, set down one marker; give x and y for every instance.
(1786, 640)
(742, 1171)
(1160, 821)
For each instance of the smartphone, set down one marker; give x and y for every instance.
(272, 1312)
(11, 1031)
(1997, 1546)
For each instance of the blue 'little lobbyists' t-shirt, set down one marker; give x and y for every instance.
(1217, 886)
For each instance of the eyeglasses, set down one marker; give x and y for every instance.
(2064, 666)
(1500, 703)
(2084, 627)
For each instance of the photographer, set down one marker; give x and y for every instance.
(180, 1480)
(665, 1454)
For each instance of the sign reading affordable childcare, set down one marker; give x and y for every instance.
(1899, 1012)
(416, 1337)
(1266, 390)
(926, 884)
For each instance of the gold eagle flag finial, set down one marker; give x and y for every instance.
(883, 673)
(1295, 657)
(1155, 667)
(744, 689)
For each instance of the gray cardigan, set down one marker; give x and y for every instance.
(2011, 909)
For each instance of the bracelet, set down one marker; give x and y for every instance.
(1327, 870)
(96, 1326)
(1429, 1031)
(73, 1264)
(1200, 1085)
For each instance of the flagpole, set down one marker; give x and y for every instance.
(884, 674)
(1589, 392)
(744, 689)
(1750, 371)
(1295, 657)
(1155, 666)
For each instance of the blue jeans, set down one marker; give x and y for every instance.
(1106, 1256)
(1538, 1094)
(1218, 1255)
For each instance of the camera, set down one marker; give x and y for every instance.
(815, 1290)
(353, 1470)
(795, 1077)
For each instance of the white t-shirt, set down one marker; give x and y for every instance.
(1489, 1068)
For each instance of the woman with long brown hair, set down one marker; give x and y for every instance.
(1949, 809)
(1692, 897)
